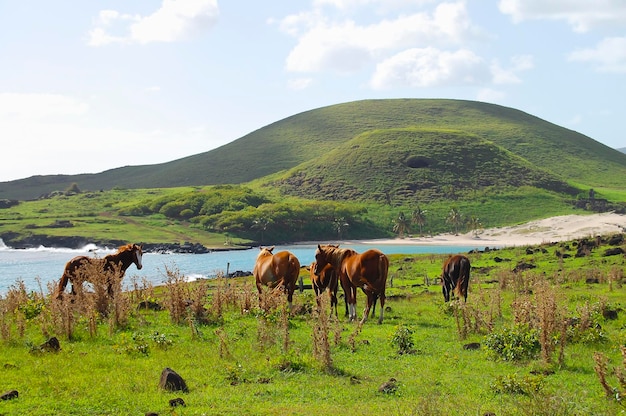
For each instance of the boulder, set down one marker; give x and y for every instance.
(172, 381)
(9, 395)
(51, 345)
(177, 402)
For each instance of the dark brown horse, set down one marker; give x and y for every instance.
(78, 269)
(326, 281)
(455, 277)
(367, 270)
(276, 270)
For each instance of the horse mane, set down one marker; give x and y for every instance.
(336, 254)
(263, 250)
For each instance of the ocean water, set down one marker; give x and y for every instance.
(38, 268)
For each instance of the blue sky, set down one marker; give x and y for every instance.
(87, 86)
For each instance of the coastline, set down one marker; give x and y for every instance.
(548, 230)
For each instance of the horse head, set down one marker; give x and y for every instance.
(323, 256)
(265, 251)
(137, 251)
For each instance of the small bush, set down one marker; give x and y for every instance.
(514, 384)
(402, 339)
(514, 344)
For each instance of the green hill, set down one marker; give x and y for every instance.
(414, 164)
(539, 149)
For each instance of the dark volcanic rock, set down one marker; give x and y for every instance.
(172, 381)
(51, 345)
(12, 394)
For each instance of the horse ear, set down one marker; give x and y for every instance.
(319, 247)
(270, 249)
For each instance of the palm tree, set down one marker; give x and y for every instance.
(340, 224)
(401, 224)
(262, 223)
(474, 225)
(455, 218)
(419, 217)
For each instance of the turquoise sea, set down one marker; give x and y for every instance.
(43, 265)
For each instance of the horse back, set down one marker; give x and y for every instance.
(280, 266)
(456, 271)
(75, 264)
(286, 265)
(456, 266)
(370, 267)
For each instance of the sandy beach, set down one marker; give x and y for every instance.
(554, 229)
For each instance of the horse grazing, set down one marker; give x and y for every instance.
(455, 277)
(276, 270)
(367, 270)
(326, 281)
(78, 269)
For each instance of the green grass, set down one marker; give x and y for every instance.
(239, 364)
(214, 215)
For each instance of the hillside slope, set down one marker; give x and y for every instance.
(297, 139)
(414, 164)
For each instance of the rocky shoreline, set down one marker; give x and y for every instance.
(76, 243)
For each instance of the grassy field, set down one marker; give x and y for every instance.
(544, 336)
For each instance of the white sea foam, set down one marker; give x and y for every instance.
(88, 248)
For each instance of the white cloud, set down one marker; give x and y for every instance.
(510, 75)
(174, 20)
(582, 15)
(608, 56)
(380, 4)
(57, 134)
(344, 46)
(39, 106)
(430, 67)
(299, 83)
(489, 95)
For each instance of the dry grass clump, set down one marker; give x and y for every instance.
(321, 324)
(601, 368)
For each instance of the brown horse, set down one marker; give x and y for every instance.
(276, 270)
(326, 281)
(455, 277)
(77, 270)
(367, 270)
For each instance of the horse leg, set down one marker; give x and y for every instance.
(259, 288)
(61, 286)
(445, 288)
(347, 293)
(290, 288)
(374, 304)
(382, 307)
(352, 303)
(366, 311)
(317, 292)
(333, 301)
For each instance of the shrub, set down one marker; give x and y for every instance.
(514, 344)
(402, 339)
(513, 384)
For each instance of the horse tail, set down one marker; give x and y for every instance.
(464, 277)
(62, 284)
(294, 265)
(383, 268)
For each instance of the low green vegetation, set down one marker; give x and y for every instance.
(234, 214)
(542, 333)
